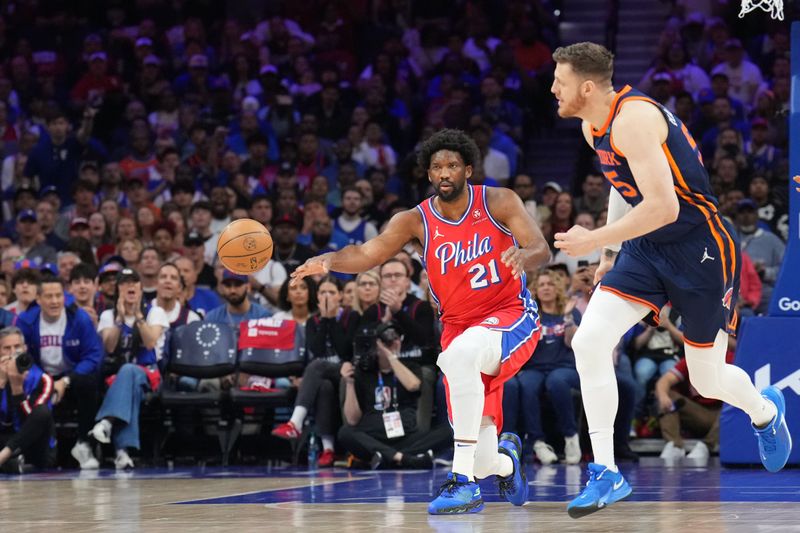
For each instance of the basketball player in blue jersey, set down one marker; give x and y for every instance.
(664, 241)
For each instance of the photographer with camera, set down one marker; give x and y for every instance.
(380, 405)
(26, 421)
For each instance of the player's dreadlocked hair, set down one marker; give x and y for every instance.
(448, 139)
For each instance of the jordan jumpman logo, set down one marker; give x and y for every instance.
(436, 233)
(705, 256)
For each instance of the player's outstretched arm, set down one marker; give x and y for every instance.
(638, 132)
(360, 258)
(533, 251)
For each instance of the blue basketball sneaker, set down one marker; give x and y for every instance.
(458, 495)
(603, 488)
(514, 487)
(774, 441)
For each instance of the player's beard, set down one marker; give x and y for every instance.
(455, 191)
(571, 109)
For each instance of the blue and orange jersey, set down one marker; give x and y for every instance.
(698, 206)
(689, 176)
(468, 280)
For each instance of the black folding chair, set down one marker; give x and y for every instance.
(202, 351)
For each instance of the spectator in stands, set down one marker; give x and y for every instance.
(169, 297)
(107, 284)
(770, 211)
(24, 284)
(682, 407)
(199, 299)
(750, 287)
(368, 291)
(551, 368)
(745, 77)
(762, 157)
(287, 251)
(194, 249)
(350, 224)
(31, 239)
(26, 419)
(764, 248)
(200, 216)
(364, 433)
(656, 349)
(235, 291)
(329, 344)
(46, 217)
(83, 286)
(496, 166)
(147, 268)
(729, 145)
(60, 172)
(685, 75)
(261, 210)
(723, 118)
(130, 365)
(63, 342)
(562, 217)
(373, 151)
(594, 197)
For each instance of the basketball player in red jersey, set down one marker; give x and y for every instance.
(664, 241)
(476, 243)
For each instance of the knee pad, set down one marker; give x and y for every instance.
(704, 377)
(462, 353)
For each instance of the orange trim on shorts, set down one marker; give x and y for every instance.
(602, 131)
(734, 320)
(698, 344)
(631, 298)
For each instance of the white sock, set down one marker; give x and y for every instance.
(488, 461)
(606, 319)
(714, 378)
(298, 416)
(327, 442)
(464, 459)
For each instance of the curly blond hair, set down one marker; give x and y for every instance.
(559, 280)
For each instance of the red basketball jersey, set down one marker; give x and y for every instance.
(468, 280)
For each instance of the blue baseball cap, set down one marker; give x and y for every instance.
(49, 267)
(27, 263)
(50, 189)
(228, 275)
(26, 214)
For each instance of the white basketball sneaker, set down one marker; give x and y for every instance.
(572, 450)
(672, 453)
(544, 452)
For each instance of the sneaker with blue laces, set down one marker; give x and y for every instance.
(603, 488)
(514, 487)
(458, 495)
(774, 441)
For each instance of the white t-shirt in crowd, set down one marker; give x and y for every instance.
(272, 275)
(156, 317)
(171, 317)
(51, 337)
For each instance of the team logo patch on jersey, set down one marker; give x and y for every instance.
(476, 214)
(726, 300)
(491, 321)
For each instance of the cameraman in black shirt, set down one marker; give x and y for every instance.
(380, 405)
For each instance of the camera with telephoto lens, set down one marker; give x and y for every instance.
(365, 344)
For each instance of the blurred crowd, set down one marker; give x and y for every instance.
(133, 133)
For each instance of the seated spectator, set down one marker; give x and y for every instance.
(235, 291)
(26, 419)
(287, 251)
(749, 288)
(63, 342)
(199, 299)
(586, 220)
(83, 286)
(656, 349)
(373, 151)
(24, 285)
(745, 76)
(368, 291)
(130, 365)
(594, 197)
(550, 368)
(364, 433)
(329, 344)
(681, 406)
(350, 226)
(147, 268)
(562, 217)
(764, 248)
(31, 239)
(169, 297)
(496, 167)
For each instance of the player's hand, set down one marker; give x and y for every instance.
(605, 265)
(320, 264)
(514, 259)
(576, 242)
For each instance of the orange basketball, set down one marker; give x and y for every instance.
(244, 246)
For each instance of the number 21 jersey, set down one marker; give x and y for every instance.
(468, 280)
